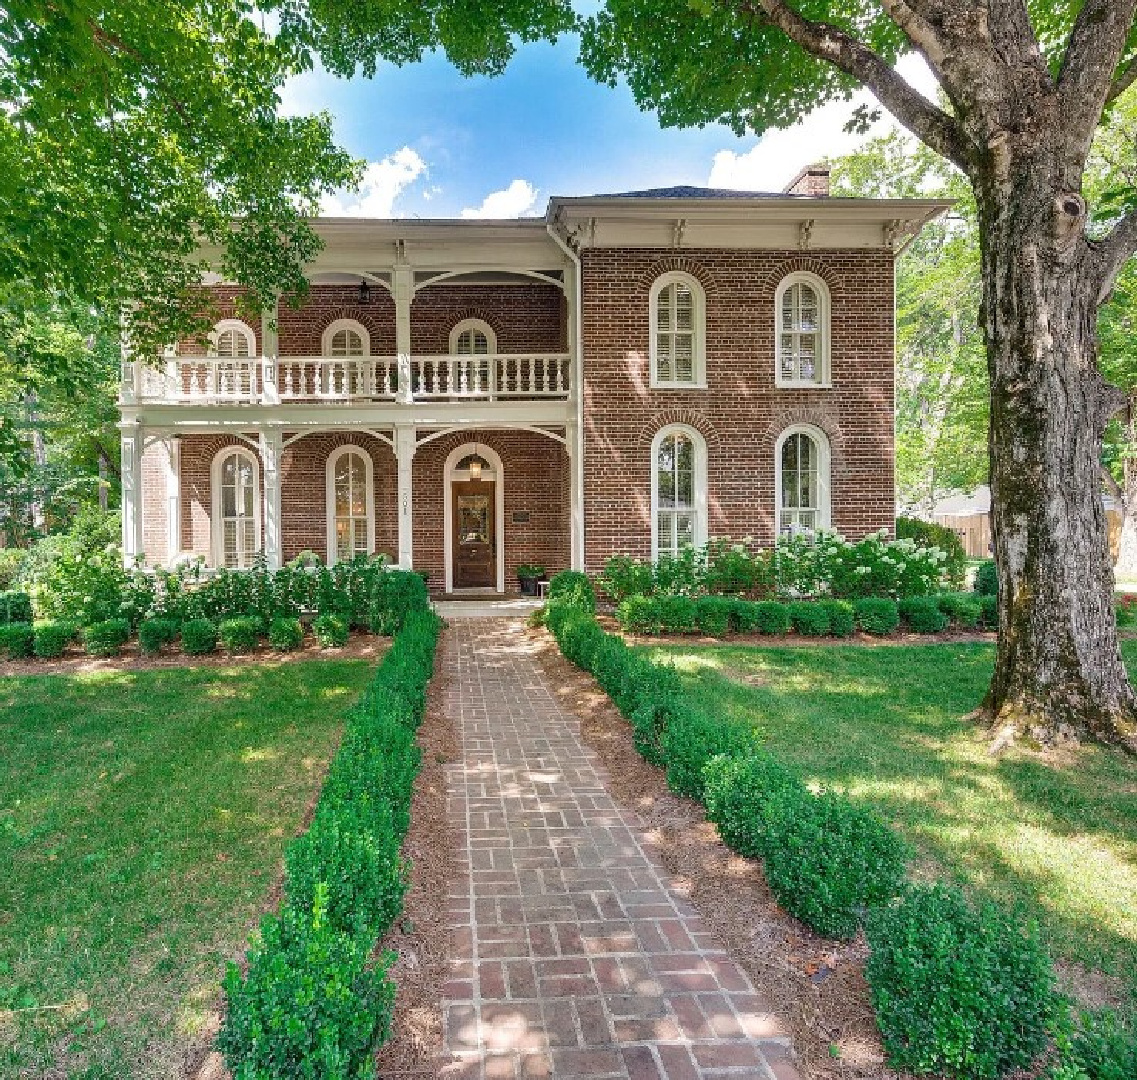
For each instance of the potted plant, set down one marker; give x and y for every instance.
(528, 575)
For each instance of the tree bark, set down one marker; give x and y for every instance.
(1126, 564)
(1058, 668)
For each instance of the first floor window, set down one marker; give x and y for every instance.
(236, 509)
(803, 483)
(679, 491)
(351, 524)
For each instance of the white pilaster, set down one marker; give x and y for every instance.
(270, 447)
(403, 288)
(573, 444)
(173, 497)
(405, 446)
(270, 353)
(131, 492)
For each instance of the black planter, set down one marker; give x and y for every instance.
(528, 585)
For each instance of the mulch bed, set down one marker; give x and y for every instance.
(816, 985)
(360, 646)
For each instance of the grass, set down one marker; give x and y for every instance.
(143, 816)
(1056, 834)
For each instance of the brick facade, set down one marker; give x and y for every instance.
(741, 413)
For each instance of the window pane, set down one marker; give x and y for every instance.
(358, 485)
(663, 309)
(684, 307)
(807, 307)
(666, 488)
(789, 454)
(684, 530)
(788, 320)
(665, 541)
(228, 501)
(684, 358)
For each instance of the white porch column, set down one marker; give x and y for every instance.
(405, 446)
(270, 353)
(403, 287)
(573, 442)
(270, 446)
(132, 436)
(173, 497)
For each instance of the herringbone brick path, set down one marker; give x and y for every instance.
(575, 957)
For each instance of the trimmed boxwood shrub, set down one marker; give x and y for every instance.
(989, 611)
(987, 578)
(677, 615)
(106, 638)
(769, 616)
(691, 739)
(740, 792)
(713, 614)
(394, 595)
(17, 640)
(877, 615)
(842, 617)
(964, 609)
(52, 638)
(960, 990)
(809, 618)
(331, 631)
(638, 615)
(239, 634)
(199, 636)
(15, 607)
(828, 861)
(153, 634)
(922, 614)
(573, 587)
(285, 634)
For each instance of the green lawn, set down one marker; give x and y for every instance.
(143, 816)
(1058, 834)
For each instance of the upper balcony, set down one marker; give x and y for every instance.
(356, 380)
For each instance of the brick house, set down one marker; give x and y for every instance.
(629, 374)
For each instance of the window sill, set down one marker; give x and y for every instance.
(677, 386)
(781, 385)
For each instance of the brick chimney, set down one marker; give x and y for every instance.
(813, 180)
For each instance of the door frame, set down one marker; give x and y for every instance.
(451, 473)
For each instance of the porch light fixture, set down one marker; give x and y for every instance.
(364, 291)
(476, 465)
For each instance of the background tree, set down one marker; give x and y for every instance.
(1025, 84)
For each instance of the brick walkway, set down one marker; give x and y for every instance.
(574, 958)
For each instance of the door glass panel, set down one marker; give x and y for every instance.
(473, 519)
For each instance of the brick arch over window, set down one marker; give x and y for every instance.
(683, 418)
(683, 265)
(474, 314)
(780, 271)
(347, 313)
(818, 418)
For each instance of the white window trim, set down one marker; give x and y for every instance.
(217, 533)
(345, 324)
(473, 324)
(824, 465)
(824, 336)
(242, 328)
(450, 473)
(330, 496)
(699, 321)
(699, 480)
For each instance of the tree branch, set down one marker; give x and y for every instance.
(1125, 79)
(1113, 251)
(927, 122)
(1095, 47)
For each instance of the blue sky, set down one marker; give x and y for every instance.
(440, 145)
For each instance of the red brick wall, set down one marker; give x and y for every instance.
(301, 329)
(741, 413)
(535, 475)
(225, 299)
(198, 452)
(524, 317)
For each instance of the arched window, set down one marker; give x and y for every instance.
(802, 332)
(346, 337)
(235, 483)
(678, 491)
(678, 331)
(232, 339)
(473, 337)
(351, 504)
(802, 481)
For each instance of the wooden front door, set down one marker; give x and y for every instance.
(475, 545)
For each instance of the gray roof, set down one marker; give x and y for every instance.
(684, 191)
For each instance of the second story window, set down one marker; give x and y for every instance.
(802, 332)
(232, 340)
(678, 331)
(473, 337)
(346, 337)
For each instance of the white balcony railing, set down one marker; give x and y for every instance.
(202, 380)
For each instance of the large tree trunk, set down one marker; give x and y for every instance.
(1058, 669)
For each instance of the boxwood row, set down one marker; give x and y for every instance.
(315, 1002)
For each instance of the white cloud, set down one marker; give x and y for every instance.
(780, 155)
(383, 182)
(517, 200)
